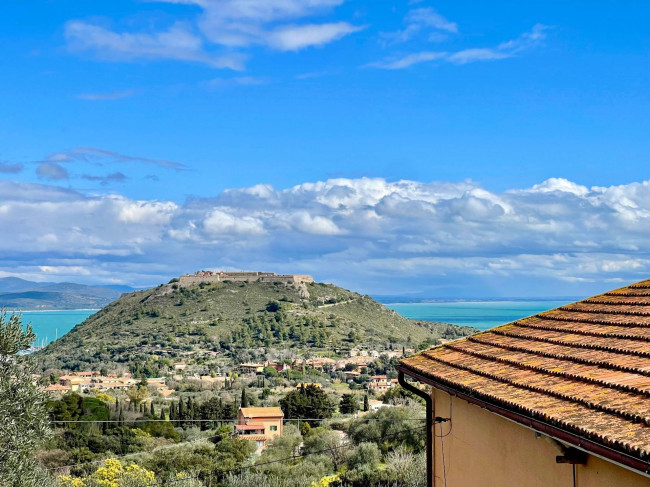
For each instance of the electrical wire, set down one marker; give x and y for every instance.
(218, 420)
(442, 443)
(451, 423)
(199, 439)
(246, 467)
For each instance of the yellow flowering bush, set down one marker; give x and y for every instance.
(326, 481)
(112, 474)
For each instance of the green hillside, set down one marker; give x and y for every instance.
(226, 316)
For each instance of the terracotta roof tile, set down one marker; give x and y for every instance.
(583, 368)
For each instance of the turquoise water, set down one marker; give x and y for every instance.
(48, 324)
(482, 314)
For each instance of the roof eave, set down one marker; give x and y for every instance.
(624, 460)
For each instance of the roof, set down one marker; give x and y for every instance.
(272, 412)
(249, 427)
(580, 371)
(252, 437)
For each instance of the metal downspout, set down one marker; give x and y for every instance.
(429, 407)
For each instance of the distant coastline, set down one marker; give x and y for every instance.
(405, 300)
(10, 310)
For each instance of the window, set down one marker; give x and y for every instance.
(274, 428)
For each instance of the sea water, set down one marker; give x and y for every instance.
(479, 314)
(48, 325)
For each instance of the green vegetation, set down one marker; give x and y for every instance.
(227, 317)
(23, 413)
(307, 402)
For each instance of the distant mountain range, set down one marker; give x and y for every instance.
(16, 293)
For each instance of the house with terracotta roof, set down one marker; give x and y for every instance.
(259, 425)
(559, 398)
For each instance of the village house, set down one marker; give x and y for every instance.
(251, 368)
(259, 425)
(380, 383)
(559, 398)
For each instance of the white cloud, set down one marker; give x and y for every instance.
(407, 61)
(106, 96)
(505, 50)
(421, 20)
(221, 223)
(51, 171)
(178, 42)
(429, 17)
(367, 231)
(479, 54)
(297, 37)
(220, 35)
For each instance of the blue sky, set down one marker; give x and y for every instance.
(126, 128)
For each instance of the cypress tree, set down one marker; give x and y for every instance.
(366, 403)
(244, 399)
(151, 410)
(121, 417)
(181, 412)
(172, 411)
(162, 414)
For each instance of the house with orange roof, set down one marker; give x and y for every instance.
(558, 398)
(259, 424)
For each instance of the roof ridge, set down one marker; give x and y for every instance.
(594, 321)
(593, 380)
(582, 332)
(558, 395)
(637, 353)
(599, 310)
(578, 360)
(617, 303)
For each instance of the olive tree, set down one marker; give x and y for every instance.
(23, 407)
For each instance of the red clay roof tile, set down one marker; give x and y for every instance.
(584, 368)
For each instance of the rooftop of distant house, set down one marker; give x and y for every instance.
(582, 369)
(269, 412)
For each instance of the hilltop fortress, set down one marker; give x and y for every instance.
(187, 280)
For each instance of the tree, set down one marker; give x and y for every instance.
(349, 404)
(244, 399)
(308, 402)
(273, 306)
(366, 403)
(138, 394)
(23, 407)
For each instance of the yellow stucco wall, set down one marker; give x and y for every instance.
(486, 450)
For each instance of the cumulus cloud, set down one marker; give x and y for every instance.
(366, 233)
(219, 36)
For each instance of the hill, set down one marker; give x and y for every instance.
(226, 316)
(16, 293)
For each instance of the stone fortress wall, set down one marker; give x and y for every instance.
(188, 280)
